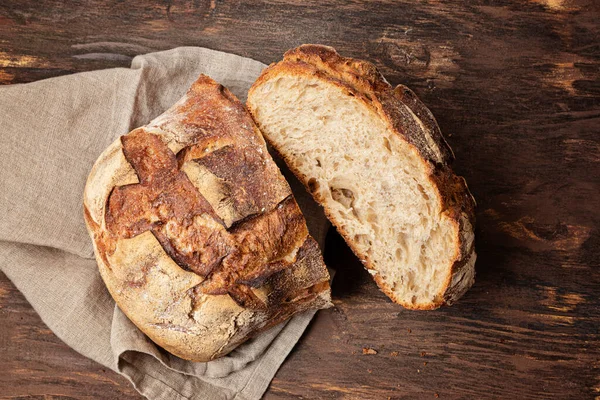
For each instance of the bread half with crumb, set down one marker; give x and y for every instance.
(374, 157)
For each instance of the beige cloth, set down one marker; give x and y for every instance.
(51, 132)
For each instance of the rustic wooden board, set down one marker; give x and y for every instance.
(515, 86)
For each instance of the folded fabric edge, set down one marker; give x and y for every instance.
(258, 381)
(160, 389)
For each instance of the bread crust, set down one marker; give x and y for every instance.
(410, 120)
(196, 232)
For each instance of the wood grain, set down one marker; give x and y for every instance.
(515, 88)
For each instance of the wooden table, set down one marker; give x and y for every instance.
(515, 86)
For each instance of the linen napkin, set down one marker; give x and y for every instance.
(51, 132)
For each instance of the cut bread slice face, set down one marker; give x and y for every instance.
(374, 158)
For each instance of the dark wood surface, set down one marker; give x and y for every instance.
(515, 86)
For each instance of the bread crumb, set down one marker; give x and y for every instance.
(367, 350)
(394, 354)
(370, 371)
(436, 395)
(423, 354)
(409, 330)
(425, 363)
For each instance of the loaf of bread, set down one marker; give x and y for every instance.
(374, 157)
(196, 232)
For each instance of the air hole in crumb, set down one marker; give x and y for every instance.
(410, 276)
(372, 216)
(398, 254)
(386, 143)
(376, 228)
(318, 163)
(413, 300)
(422, 190)
(313, 185)
(343, 196)
(348, 158)
(351, 94)
(362, 240)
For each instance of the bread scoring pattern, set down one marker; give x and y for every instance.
(166, 203)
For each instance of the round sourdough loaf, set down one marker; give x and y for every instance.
(196, 233)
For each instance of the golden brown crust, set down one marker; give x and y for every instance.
(196, 233)
(413, 122)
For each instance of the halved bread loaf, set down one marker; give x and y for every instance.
(374, 157)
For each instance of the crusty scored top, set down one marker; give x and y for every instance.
(410, 119)
(196, 232)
